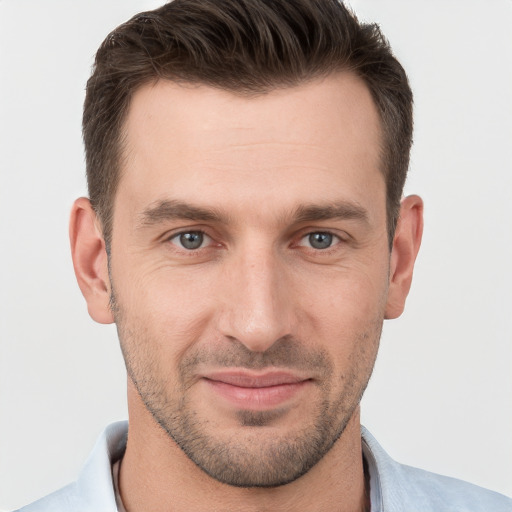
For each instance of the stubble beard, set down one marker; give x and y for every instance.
(257, 455)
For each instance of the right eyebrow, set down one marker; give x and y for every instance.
(172, 210)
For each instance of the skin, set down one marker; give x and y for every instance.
(268, 173)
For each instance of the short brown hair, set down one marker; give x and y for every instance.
(248, 47)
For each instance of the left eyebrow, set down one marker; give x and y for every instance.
(341, 211)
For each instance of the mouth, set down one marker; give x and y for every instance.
(256, 391)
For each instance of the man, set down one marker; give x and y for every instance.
(246, 233)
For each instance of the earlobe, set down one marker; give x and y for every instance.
(406, 244)
(90, 260)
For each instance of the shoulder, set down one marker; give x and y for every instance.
(94, 489)
(401, 488)
(62, 500)
(430, 489)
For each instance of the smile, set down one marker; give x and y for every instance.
(255, 392)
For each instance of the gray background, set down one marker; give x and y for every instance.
(440, 397)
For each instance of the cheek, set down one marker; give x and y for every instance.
(345, 298)
(345, 315)
(164, 309)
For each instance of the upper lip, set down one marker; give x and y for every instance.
(248, 379)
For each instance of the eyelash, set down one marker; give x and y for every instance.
(336, 240)
(205, 236)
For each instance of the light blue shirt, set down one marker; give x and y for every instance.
(393, 486)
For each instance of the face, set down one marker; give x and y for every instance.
(249, 269)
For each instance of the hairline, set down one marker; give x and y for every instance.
(122, 150)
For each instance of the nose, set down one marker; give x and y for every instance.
(257, 306)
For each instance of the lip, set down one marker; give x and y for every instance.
(256, 391)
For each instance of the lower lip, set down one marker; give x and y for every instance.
(257, 399)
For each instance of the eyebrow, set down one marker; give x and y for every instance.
(173, 210)
(342, 211)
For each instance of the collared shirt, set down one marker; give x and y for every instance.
(393, 487)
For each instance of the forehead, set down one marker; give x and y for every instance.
(304, 141)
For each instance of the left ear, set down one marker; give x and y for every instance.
(406, 244)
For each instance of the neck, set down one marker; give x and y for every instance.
(157, 476)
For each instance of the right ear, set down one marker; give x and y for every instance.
(90, 260)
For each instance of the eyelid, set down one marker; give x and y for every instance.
(207, 239)
(336, 239)
(174, 232)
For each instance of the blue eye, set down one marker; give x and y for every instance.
(319, 240)
(190, 240)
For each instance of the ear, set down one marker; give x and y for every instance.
(90, 260)
(406, 245)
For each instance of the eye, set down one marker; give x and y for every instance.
(190, 240)
(319, 240)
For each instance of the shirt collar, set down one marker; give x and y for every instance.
(96, 479)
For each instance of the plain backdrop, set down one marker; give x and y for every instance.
(441, 394)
